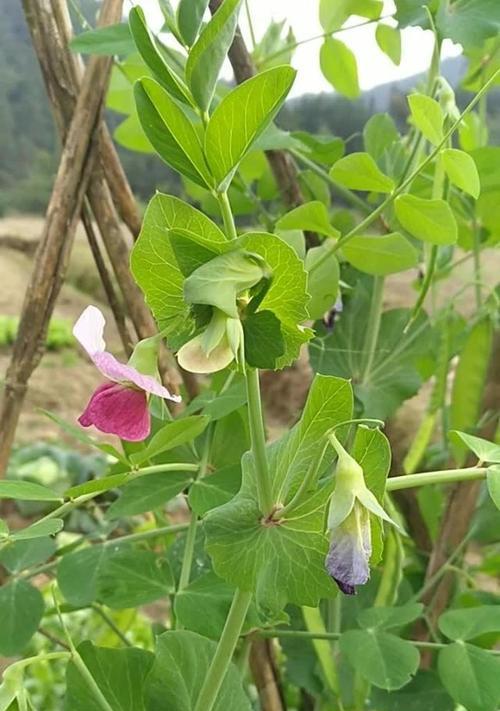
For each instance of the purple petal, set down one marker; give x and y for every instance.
(115, 409)
(122, 373)
(89, 329)
(348, 559)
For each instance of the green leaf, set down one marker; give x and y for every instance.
(429, 220)
(148, 493)
(282, 562)
(189, 18)
(322, 281)
(339, 67)
(469, 22)
(153, 260)
(423, 693)
(134, 577)
(78, 573)
(389, 40)
(27, 491)
(104, 41)
(384, 660)
(332, 15)
(129, 134)
(21, 609)
(264, 342)
(120, 674)
(381, 255)
(228, 401)
(20, 555)
(387, 617)
(209, 52)
(461, 170)
(470, 622)
(379, 134)
(148, 48)
(493, 482)
(38, 530)
(471, 676)
(215, 489)
(96, 485)
(312, 216)
(484, 450)
(172, 435)
(170, 131)
(287, 296)
(181, 664)
(4, 529)
(204, 604)
(470, 377)
(428, 117)
(358, 171)
(241, 118)
(394, 376)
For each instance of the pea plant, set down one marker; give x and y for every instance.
(309, 542)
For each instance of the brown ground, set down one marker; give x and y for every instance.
(65, 379)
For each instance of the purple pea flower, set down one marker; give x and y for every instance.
(120, 406)
(348, 558)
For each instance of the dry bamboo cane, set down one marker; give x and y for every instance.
(60, 224)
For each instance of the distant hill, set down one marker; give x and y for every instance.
(29, 145)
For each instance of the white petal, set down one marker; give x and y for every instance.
(89, 329)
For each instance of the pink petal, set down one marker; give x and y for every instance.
(121, 373)
(89, 329)
(118, 410)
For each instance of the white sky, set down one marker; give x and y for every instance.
(373, 66)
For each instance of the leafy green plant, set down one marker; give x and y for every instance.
(277, 536)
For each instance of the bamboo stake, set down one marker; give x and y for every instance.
(60, 224)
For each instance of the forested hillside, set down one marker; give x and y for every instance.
(29, 145)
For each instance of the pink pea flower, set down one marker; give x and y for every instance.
(120, 406)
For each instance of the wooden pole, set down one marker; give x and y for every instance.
(61, 219)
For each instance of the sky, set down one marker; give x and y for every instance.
(302, 15)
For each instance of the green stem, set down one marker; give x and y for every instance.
(369, 219)
(429, 276)
(187, 558)
(445, 476)
(302, 634)
(111, 624)
(170, 467)
(258, 442)
(315, 625)
(373, 327)
(305, 484)
(476, 251)
(323, 35)
(102, 702)
(225, 649)
(227, 215)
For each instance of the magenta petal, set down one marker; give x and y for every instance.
(116, 409)
(120, 372)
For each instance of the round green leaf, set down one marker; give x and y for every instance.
(428, 117)
(322, 281)
(470, 622)
(21, 609)
(461, 170)
(26, 491)
(148, 493)
(358, 171)
(389, 40)
(382, 659)
(381, 255)
(471, 676)
(20, 555)
(339, 67)
(312, 216)
(493, 481)
(429, 220)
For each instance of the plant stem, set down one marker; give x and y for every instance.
(102, 702)
(305, 484)
(476, 252)
(373, 327)
(227, 215)
(445, 476)
(187, 558)
(170, 467)
(258, 442)
(225, 649)
(315, 625)
(111, 624)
